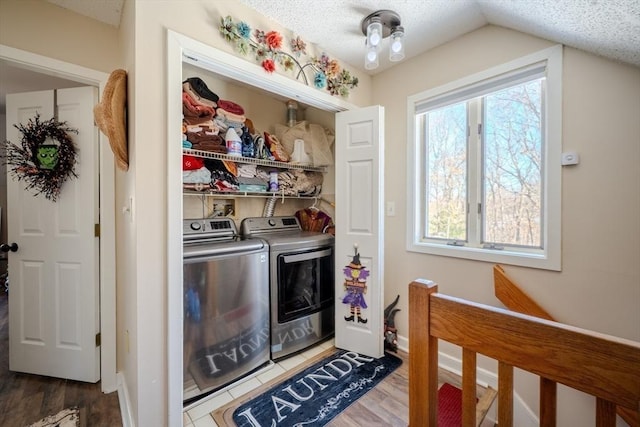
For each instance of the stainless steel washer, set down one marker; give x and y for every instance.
(301, 281)
(226, 305)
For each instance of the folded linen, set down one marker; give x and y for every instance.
(202, 176)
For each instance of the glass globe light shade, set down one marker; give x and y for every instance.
(396, 50)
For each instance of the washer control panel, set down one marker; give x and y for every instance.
(208, 227)
(257, 225)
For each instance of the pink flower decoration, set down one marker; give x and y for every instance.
(268, 65)
(273, 39)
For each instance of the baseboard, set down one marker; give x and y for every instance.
(523, 416)
(125, 403)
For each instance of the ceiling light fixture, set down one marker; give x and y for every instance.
(377, 26)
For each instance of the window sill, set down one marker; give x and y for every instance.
(541, 260)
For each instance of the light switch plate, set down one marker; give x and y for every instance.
(391, 208)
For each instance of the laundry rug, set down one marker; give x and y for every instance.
(317, 394)
(69, 417)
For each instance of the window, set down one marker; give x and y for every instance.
(484, 168)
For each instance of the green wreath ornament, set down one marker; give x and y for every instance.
(45, 158)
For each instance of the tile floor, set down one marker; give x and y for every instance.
(199, 415)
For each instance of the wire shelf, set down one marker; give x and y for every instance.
(263, 195)
(251, 161)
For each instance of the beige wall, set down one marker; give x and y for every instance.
(198, 20)
(23, 24)
(127, 317)
(599, 285)
(43, 28)
(139, 47)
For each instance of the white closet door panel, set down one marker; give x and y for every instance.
(359, 231)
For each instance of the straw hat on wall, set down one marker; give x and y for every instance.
(110, 116)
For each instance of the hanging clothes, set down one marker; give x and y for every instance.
(313, 219)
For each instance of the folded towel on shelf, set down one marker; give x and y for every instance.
(196, 186)
(199, 91)
(208, 126)
(264, 173)
(308, 183)
(212, 147)
(223, 185)
(249, 171)
(231, 107)
(230, 116)
(252, 184)
(224, 124)
(190, 163)
(206, 141)
(195, 113)
(287, 183)
(201, 176)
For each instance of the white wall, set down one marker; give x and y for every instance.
(599, 285)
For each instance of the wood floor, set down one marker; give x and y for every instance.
(386, 405)
(25, 398)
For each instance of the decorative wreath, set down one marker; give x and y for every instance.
(46, 157)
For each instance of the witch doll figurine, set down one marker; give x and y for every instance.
(355, 286)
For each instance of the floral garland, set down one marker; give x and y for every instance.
(267, 49)
(45, 158)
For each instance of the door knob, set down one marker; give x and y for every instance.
(6, 247)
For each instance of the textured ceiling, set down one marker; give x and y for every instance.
(610, 28)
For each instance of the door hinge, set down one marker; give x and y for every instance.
(479, 128)
(98, 339)
(96, 230)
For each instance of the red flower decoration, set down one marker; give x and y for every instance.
(273, 39)
(267, 49)
(269, 65)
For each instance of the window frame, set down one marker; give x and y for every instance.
(549, 257)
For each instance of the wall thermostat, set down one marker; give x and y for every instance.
(570, 158)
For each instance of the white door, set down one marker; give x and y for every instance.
(53, 275)
(359, 247)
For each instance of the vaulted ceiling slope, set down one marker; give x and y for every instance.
(609, 28)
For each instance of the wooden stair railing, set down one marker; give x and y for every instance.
(513, 297)
(604, 366)
(510, 294)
